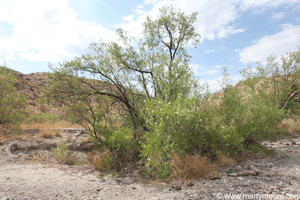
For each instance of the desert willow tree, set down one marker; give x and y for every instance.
(125, 74)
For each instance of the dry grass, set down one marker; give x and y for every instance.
(49, 131)
(58, 133)
(4, 137)
(224, 160)
(97, 158)
(192, 167)
(47, 134)
(38, 156)
(9, 137)
(46, 125)
(292, 125)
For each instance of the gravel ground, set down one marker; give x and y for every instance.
(274, 178)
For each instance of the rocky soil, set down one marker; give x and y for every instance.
(277, 177)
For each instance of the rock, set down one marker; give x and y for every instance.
(238, 167)
(118, 180)
(232, 174)
(177, 187)
(98, 189)
(255, 169)
(247, 173)
(229, 171)
(215, 176)
(5, 198)
(87, 146)
(271, 174)
(17, 146)
(189, 183)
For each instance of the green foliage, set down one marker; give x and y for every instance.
(108, 164)
(11, 102)
(64, 156)
(124, 76)
(165, 56)
(122, 142)
(119, 141)
(278, 84)
(143, 99)
(241, 119)
(60, 153)
(175, 127)
(160, 187)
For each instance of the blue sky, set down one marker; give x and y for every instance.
(234, 33)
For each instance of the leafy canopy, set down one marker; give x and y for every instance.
(131, 71)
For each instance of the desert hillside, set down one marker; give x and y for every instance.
(33, 86)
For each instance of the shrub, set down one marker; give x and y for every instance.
(63, 156)
(174, 127)
(47, 134)
(240, 120)
(11, 102)
(120, 142)
(100, 160)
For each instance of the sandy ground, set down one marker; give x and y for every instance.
(278, 177)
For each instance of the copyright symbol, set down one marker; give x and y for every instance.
(219, 195)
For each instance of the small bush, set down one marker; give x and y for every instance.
(58, 133)
(47, 134)
(101, 161)
(62, 155)
(175, 127)
(120, 142)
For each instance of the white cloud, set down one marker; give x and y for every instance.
(229, 30)
(196, 68)
(214, 84)
(216, 17)
(212, 72)
(214, 20)
(50, 30)
(210, 51)
(201, 71)
(147, 2)
(128, 18)
(46, 31)
(296, 8)
(246, 4)
(279, 44)
(278, 16)
(218, 66)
